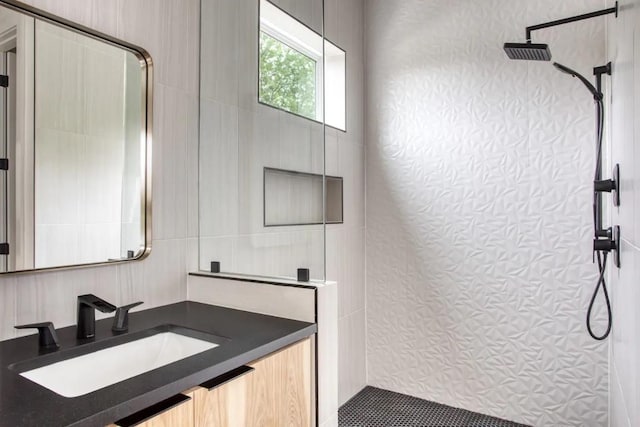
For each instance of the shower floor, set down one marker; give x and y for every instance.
(374, 407)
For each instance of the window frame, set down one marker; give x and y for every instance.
(277, 34)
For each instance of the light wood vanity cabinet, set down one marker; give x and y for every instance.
(274, 391)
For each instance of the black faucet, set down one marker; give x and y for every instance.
(87, 304)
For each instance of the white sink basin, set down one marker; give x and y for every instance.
(93, 371)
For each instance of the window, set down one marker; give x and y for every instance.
(291, 71)
(287, 78)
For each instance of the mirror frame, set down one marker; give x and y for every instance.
(146, 67)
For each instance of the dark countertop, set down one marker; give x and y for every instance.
(250, 337)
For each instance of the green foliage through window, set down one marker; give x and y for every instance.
(287, 78)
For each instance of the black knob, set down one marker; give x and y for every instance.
(605, 186)
(605, 245)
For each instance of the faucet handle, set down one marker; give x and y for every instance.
(121, 319)
(47, 336)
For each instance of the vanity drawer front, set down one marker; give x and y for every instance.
(274, 391)
(277, 392)
(224, 405)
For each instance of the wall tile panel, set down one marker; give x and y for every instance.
(478, 219)
(624, 130)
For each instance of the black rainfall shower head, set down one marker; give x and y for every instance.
(597, 95)
(528, 51)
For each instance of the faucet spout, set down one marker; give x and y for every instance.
(87, 305)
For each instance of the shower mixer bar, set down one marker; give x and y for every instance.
(605, 241)
(590, 15)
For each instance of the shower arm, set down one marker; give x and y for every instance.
(571, 19)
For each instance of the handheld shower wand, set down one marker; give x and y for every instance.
(597, 95)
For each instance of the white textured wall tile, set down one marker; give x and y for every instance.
(193, 160)
(174, 110)
(101, 15)
(220, 33)
(351, 168)
(220, 249)
(53, 296)
(295, 142)
(328, 351)
(258, 140)
(331, 422)
(331, 22)
(219, 169)
(478, 210)
(247, 54)
(331, 153)
(307, 11)
(625, 343)
(345, 264)
(618, 413)
(169, 31)
(192, 254)
(273, 300)
(159, 279)
(624, 133)
(352, 364)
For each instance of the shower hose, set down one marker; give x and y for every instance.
(600, 257)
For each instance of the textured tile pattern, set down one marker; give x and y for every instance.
(478, 210)
(374, 407)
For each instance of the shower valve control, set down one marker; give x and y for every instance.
(610, 186)
(611, 243)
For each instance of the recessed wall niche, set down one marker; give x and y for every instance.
(295, 198)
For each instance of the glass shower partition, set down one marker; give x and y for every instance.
(261, 160)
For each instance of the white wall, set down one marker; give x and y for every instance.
(479, 171)
(239, 137)
(344, 154)
(624, 51)
(169, 31)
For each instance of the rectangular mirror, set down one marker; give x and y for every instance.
(75, 144)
